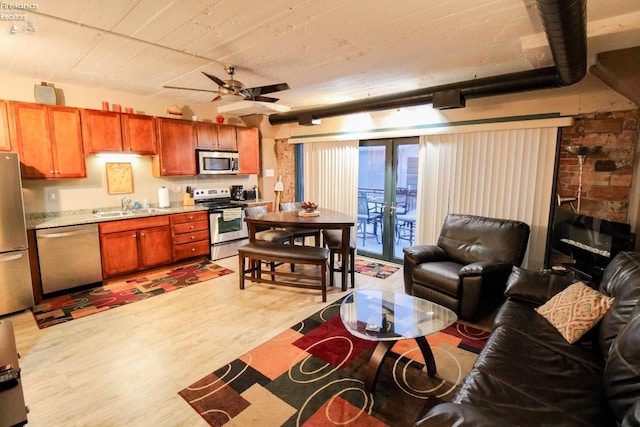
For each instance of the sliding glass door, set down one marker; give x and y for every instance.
(387, 184)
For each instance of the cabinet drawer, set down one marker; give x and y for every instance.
(133, 224)
(197, 236)
(190, 227)
(190, 250)
(189, 216)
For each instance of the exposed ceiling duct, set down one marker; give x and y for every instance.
(565, 26)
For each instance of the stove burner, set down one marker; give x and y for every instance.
(216, 199)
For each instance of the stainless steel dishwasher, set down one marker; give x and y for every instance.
(69, 257)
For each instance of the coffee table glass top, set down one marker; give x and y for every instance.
(378, 315)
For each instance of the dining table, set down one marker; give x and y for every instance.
(320, 219)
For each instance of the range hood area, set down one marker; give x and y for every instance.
(565, 27)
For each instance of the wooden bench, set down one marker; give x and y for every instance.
(256, 252)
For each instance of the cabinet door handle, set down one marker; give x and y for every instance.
(193, 249)
(190, 217)
(141, 234)
(191, 227)
(135, 235)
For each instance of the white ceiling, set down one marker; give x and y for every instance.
(328, 51)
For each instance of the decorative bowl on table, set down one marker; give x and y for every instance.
(309, 206)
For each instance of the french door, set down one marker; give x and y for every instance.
(387, 184)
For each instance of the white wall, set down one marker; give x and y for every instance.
(588, 96)
(17, 88)
(91, 193)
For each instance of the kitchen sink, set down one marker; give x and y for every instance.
(115, 214)
(146, 211)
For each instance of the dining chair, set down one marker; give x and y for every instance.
(333, 241)
(367, 215)
(268, 234)
(298, 232)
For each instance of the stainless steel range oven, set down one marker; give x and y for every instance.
(227, 228)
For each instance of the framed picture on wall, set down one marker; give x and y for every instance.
(119, 178)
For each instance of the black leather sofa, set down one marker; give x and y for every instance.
(466, 271)
(528, 375)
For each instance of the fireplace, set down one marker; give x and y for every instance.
(586, 244)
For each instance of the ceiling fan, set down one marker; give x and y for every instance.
(237, 88)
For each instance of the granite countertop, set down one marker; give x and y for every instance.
(86, 216)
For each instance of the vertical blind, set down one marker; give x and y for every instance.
(501, 174)
(331, 175)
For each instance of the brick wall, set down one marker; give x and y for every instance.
(285, 155)
(607, 174)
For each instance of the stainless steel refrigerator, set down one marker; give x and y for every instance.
(16, 292)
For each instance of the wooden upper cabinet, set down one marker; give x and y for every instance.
(248, 151)
(102, 131)
(107, 131)
(215, 137)
(139, 134)
(227, 137)
(66, 142)
(176, 148)
(5, 140)
(206, 135)
(49, 140)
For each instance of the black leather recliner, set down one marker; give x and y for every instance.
(468, 269)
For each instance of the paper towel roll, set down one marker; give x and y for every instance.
(163, 197)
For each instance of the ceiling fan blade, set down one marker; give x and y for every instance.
(217, 81)
(189, 88)
(261, 98)
(263, 90)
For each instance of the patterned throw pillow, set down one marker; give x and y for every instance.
(575, 310)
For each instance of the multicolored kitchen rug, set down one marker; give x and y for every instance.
(375, 269)
(312, 375)
(83, 303)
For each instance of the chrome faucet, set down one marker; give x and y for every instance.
(124, 202)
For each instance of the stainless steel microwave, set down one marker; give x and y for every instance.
(216, 162)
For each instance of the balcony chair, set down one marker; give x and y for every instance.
(300, 233)
(333, 241)
(367, 215)
(405, 216)
(468, 269)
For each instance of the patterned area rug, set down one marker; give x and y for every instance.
(375, 269)
(312, 375)
(83, 303)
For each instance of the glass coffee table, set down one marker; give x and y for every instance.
(387, 317)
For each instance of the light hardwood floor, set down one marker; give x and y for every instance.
(125, 367)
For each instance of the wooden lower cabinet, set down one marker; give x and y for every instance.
(134, 244)
(190, 234)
